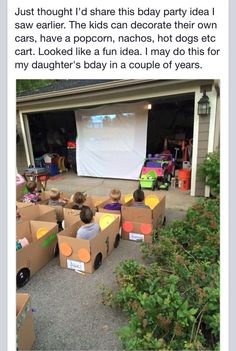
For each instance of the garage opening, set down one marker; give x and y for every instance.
(170, 127)
(54, 132)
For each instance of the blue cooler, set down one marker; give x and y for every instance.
(51, 168)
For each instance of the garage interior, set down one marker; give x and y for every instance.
(170, 125)
(53, 132)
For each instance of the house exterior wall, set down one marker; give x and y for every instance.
(203, 136)
(217, 126)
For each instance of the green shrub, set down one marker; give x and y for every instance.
(209, 170)
(172, 301)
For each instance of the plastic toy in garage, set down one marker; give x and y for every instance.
(157, 172)
(87, 255)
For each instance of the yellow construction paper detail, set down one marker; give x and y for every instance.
(97, 203)
(105, 220)
(151, 201)
(41, 232)
(128, 197)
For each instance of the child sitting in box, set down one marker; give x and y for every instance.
(32, 195)
(114, 205)
(78, 201)
(138, 197)
(55, 200)
(90, 229)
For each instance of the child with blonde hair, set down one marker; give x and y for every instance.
(55, 200)
(114, 205)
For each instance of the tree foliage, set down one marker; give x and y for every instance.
(32, 84)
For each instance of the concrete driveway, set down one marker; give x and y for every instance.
(69, 314)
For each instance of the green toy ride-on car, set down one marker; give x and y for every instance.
(148, 180)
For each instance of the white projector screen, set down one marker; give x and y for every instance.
(111, 140)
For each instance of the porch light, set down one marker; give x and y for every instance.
(204, 105)
(149, 106)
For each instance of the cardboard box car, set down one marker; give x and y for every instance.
(38, 213)
(87, 255)
(71, 216)
(21, 189)
(124, 200)
(25, 334)
(138, 223)
(20, 204)
(92, 201)
(59, 209)
(42, 238)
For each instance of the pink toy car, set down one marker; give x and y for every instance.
(157, 172)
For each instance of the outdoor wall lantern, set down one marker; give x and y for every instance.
(149, 106)
(204, 105)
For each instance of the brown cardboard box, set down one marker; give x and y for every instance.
(38, 212)
(58, 208)
(20, 191)
(31, 258)
(71, 216)
(87, 255)
(124, 200)
(25, 335)
(138, 223)
(24, 204)
(92, 201)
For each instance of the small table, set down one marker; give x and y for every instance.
(39, 178)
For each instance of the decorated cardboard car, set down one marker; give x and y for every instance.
(124, 200)
(36, 245)
(87, 255)
(92, 201)
(38, 213)
(139, 223)
(20, 204)
(59, 209)
(71, 215)
(25, 334)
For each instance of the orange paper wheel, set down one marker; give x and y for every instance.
(146, 228)
(65, 249)
(127, 226)
(84, 255)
